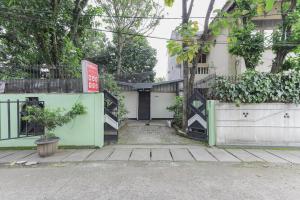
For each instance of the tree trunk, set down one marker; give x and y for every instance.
(119, 61)
(185, 64)
(202, 44)
(119, 53)
(185, 109)
(286, 32)
(193, 74)
(77, 13)
(278, 61)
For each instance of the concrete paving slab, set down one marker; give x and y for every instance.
(262, 154)
(161, 155)
(244, 155)
(286, 156)
(100, 154)
(6, 153)
(120, 154)
(140, 155)
(181, 155)
(19, 155)
(57, 157)
(78, 155)
(155, 146)
(222, 155)
(294, 152)
(200, 154)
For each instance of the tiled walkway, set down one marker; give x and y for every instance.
(154, 153)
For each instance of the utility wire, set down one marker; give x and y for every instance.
(133, 17)
(9, 15)
(147, 36)
(178, 40)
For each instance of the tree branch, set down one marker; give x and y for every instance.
(79, 6)
(207, 17)
(190, 9)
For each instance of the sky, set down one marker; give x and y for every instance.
(164, 29)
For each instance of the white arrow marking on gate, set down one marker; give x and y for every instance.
(199, 119)
(111, 122)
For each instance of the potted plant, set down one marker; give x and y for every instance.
(50, 119)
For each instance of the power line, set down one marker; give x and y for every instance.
(10, 15)
(147, 36)
(168, 39)
(136, 17)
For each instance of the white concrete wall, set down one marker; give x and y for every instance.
(131, 101)
(265, 124)
(219, 57)
(266, 61)
(159, 104)
(175, 71)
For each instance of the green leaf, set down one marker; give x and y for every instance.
(269, 5)
(169, 3)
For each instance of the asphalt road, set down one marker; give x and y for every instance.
(116, 180)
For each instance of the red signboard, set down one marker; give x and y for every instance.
(90, 77)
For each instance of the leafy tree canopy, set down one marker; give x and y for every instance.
(139, 59)
(145, 17)
(51, 32)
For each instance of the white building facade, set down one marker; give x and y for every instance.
(219, 61)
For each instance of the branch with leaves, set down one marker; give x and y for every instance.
(118, 22)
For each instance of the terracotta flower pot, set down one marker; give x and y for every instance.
(47, 147)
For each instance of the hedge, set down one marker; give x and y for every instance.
(257, 87)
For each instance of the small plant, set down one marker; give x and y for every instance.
(52, 118)
(177, 108)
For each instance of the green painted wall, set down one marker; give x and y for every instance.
(84, 130)
(211, 110)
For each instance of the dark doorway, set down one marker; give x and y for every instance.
(144, 105)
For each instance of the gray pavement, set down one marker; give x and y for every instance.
(153, 153)
(156, 132)
(123, 180)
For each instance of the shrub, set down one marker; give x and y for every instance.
(256, 87)
(177, 109)
(52, 118)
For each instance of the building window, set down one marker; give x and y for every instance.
(202, 58)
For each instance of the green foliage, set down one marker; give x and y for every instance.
(188, 33)
(71, 57)
(292, 62)
(244, 42)
(137, 57)
(169, 2)
(52, 118)
(53, 33)
(126, 28)
(286, 38)
(269, 5)
(177, 109)
(256, 87)
(108, 82)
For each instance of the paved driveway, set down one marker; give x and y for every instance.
(156, 132)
